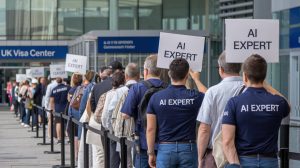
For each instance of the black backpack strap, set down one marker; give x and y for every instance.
(242, 89)
(148, 84)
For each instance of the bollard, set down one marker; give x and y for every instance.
(72, 147)
(123, 152)
(106, 146)
(32, 113)
(44, 128)
(52, 132)
(284, 144)
(37, 122)
(86, 146)
(62, 145)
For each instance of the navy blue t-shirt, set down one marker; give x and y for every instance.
(176, 109)
(60, 95)
(130, 106)
(257, 116)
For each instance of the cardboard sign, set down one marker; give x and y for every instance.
(76, 63)
(58, 71)
(21, 77)
(173, 46)
(37, 72)
(245, 37)
(28, 73)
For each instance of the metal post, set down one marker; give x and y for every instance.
(37, 122)
(52, 134)
(284, 143)
(106, 146)
(86, 146)
(123, 152)
(44, 128)
(62, 134)
(72, 148)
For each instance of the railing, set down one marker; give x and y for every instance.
(107, 137)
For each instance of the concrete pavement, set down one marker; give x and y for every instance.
(18, 148)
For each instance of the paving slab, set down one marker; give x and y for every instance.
(18, 148)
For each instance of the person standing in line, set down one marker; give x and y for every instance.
(251, 121)
(118, 80)
(130, 108)
(58, 103)
(49, 90)
(213, 106)
(23, 95)
(171, 119)
(38, 97)
(15, 91)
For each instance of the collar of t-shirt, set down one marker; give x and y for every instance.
(177, 86)
(232, 78)
(130, 82)
(256, 90)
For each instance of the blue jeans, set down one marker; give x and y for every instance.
(177, 156)
(141, 159)
(259, 162)
(27, 116)
(114, 155)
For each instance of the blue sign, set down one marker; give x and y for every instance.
(128, 44)
(295, 16)
(33, 52)
(295, 37)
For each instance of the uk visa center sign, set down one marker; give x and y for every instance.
(33, 52)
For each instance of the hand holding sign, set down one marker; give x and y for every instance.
(173, 46)
(254, 36)
(21, 77)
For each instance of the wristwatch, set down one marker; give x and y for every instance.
(150, 152)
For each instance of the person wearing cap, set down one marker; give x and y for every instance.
(105, 85)
(58, 103)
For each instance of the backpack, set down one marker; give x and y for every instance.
(77, 98)
(142, 107)
(122, 127)
(99, 109)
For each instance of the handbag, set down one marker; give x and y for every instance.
(91, 137)
(77, 99)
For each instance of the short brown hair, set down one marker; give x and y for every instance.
(118, 79)
(179, 68)
(255, 68)
(150, 64)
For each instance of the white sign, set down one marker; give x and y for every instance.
(173, 46)
(76, 63)
(21, 77)
(37, 72)
(28, 73)
(58, 71)
(245, 37)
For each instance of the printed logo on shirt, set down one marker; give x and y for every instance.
(176, 102)
(60, 90)
(260, 108)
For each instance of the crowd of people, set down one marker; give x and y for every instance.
(232, 124)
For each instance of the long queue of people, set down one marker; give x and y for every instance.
(239, 118)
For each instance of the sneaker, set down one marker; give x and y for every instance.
(26, 126)
(59, 141)
(22, 124)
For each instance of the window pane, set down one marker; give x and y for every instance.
(175, 14)
(18, 24)
(198, 14)
(70, 18)
(127, 14)
(2, 19)
(96, 15)
(150, 14)
(43, 19)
